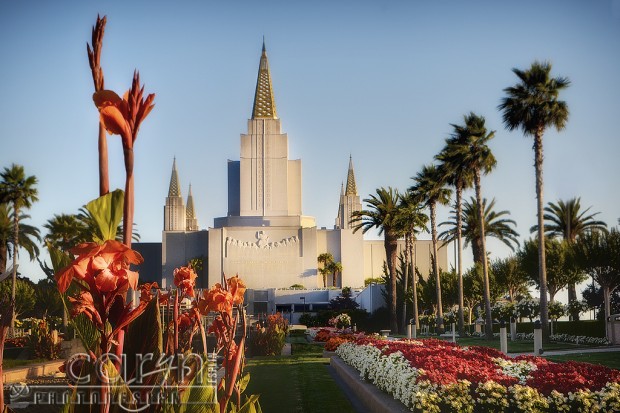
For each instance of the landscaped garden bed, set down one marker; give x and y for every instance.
(433, 376)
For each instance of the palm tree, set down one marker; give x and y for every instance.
(382, 213)
(335, 268)
(326, 259)
(413, 221)
(28, 235)
(495, 225)
(430, 187)
(19, 191)
(566, 220)
(65, 231)
(460, 177)
(532, 105)
(470, 142)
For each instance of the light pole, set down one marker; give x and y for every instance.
(304, 298)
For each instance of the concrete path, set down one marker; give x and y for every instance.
(607, 349)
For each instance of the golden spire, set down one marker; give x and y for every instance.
(189, 209)
(174, 189)
(351, 187)
(264, 104)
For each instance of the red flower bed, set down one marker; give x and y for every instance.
(445, 363)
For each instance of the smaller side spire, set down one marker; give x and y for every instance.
(351, 187)
(189, 208)
(342, 189)
(174, 189)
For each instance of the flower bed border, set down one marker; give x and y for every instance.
(373, 399)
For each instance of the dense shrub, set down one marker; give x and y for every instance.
(269, 340)
(41, 342)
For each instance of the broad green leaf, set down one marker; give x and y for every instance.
(199, 398)
(107, 211)
(251, 405)
(243, 382)
(60, 259)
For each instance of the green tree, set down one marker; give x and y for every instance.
(561, 268)
(430, 187)
(532, 105)
(65, 231)
(598, 254)
(495, 224)
(413, 221)
(510, 276)
(382, 213)
(18, 190)
(335, 268)
(27, 236)
(25, 296)
(566, 220)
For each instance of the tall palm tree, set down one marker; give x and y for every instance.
(566, 220)
(65, 231)
(470, 141)
(460, 176)
(382, 213)
(335, 268)
(496, 225)
(413, 221)
(532, 105)
(430, 187)
(28, 236)
(19, 191)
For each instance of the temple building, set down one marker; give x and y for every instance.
(265, 237)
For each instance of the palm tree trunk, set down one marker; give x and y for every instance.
(440, 328)
(403, 322)
(459, 240)
(391, 244)
(488, 323)
(104, 184)
(15, 258)
(542, 267)
(414, 284)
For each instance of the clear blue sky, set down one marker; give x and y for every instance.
(381, 80)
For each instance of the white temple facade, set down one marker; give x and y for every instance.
(265, 238)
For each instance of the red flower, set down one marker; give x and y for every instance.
(237, 289)
(215, 299)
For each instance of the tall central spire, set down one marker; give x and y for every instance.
(264, 104)
(174, 189)
(351, 187)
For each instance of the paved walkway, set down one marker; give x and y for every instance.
(583, 350)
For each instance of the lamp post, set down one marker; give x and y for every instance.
(304, 298)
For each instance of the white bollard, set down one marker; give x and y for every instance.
(453, 333)
(503, 340)
(538, 350)
(414, 332)
(408, 330)
(513, 330)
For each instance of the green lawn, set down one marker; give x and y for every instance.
(611, 360)
(299, 383)
(11, 363)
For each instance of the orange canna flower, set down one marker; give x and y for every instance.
(237, 289)
(185, 280)
(124, 116)
(145, 291)
(215, 299)
(84, 303)
(106, 266)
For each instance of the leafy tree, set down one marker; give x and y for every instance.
(382, 213)
(430, 188)
(598, 254)
(25, 296)
(18, 190)
(344, 301)
(561, 268)
(510, 277)
(566, 220)
(532, 105)
(593, 297)
(370, 280)
(335, 268)
(27, 236)
(495, 224)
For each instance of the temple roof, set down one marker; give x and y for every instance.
(264, 103)
(174, 189)
(351, 187)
